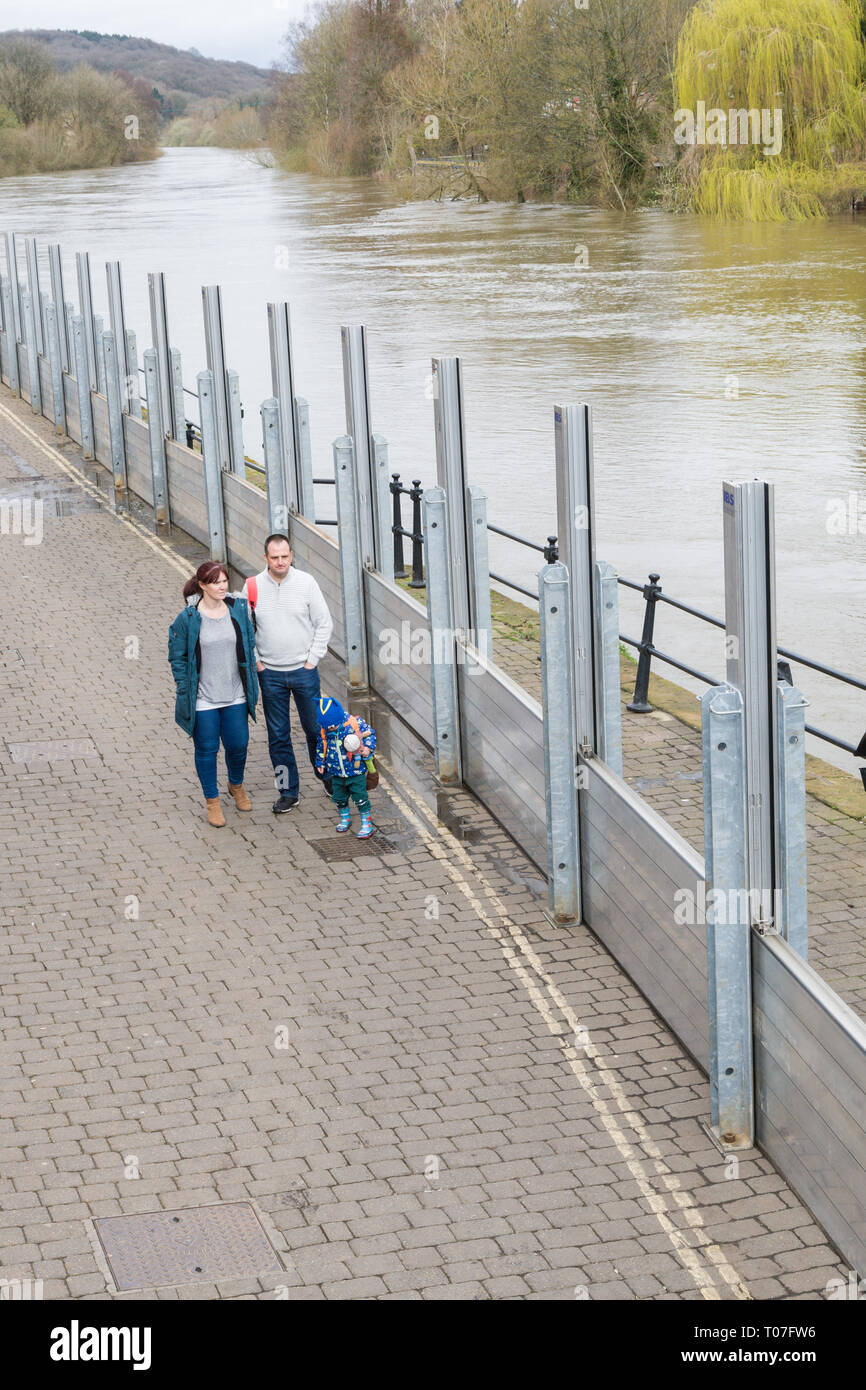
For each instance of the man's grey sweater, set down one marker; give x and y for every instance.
(293, 623)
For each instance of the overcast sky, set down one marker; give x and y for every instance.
(247, 29)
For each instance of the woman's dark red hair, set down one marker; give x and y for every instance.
(207, 573)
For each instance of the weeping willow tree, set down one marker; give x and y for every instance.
(798, 65)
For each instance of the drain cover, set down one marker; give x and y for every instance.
(196, 1245)
(52, 750)
(340, 847)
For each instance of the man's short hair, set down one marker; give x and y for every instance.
(277, 536)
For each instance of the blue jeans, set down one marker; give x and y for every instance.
(232, 725)
(277, 689)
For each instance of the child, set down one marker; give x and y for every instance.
(345, 766)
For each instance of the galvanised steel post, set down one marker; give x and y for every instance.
(11, 339)
(171, 424)
(575, 513)
(85, 302)
(14, 285)
(33, 386)
(451, 476)
(383, 506)
(69, 315)
(560, 752)
(357, 394)
(58, 399)
(117, 322)
(306, 491)
(351, 565)
(33, 287)
(443, 653)
(729, 988)
(55, 266)
(211, 296)
(750, 643)
(212, 467)
(178, 405)
(607, 666)
(791, 725)
(236, 424)
(115, 416)
(82, 381)
(278, 510)
(156, 438)
(283, 388)
(98, 329)
(133, 389)
(479, 570)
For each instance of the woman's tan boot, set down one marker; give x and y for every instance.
(214, 811)
(242, 801)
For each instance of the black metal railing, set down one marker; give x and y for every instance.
(646, 648)
(416, 535)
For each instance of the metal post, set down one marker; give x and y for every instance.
(729, 988)
(607, 666)
(575, 511)
(383, 506)
(133, 389)
(351, 565)
(416, 492)
(750, 622)
(451, 475)
(400, 571)
(33, 386)
(443, 655)
(14, 285)
(117, 322)
(82, 381)
(560, 753)
(85, 302)
(357, 394)
(178, 405)
(99, 330)
(55, 265)
(11, 339)
(236, 426)
(58, 399)
(639, 703)
(156, 437)
(791, 725)
(479, 570)
(33, 287)
(306, 495)
(283, 387)
(278, 511)
(213, 490)
(115, 416)
(69, 315)
(211, 296)
(171, 425)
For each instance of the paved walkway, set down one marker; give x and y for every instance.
(470, 1103)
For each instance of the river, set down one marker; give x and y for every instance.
(708, 352)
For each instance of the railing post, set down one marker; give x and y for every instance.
(575, 506)
(213, 490)
(560, 752)
(58, 399)
(11, 339)
(607, 666)
(479, 570)
(351, 565)
(82, 382)
(443, 653)
(278, 509)
(133, 388)
(306, 491)
(236, 425)
(383, 505)
(156, 438)
(729, 988)
(639, 703)
(33, 385)
(791, 727)
(400, 571)
(55, 264)
(416, 493)
(178, 404)
(85, 301)
(115, 417)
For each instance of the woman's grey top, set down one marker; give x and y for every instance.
(219, 681)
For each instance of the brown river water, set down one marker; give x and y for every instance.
(709, 352)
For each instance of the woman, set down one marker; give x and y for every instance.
(211, 648)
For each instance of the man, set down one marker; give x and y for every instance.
(293, 625)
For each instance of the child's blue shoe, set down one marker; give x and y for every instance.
(345, 819)
(366, 828)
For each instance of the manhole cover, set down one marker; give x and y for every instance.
(52, 750)
(196, 1245)
(341, 847)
